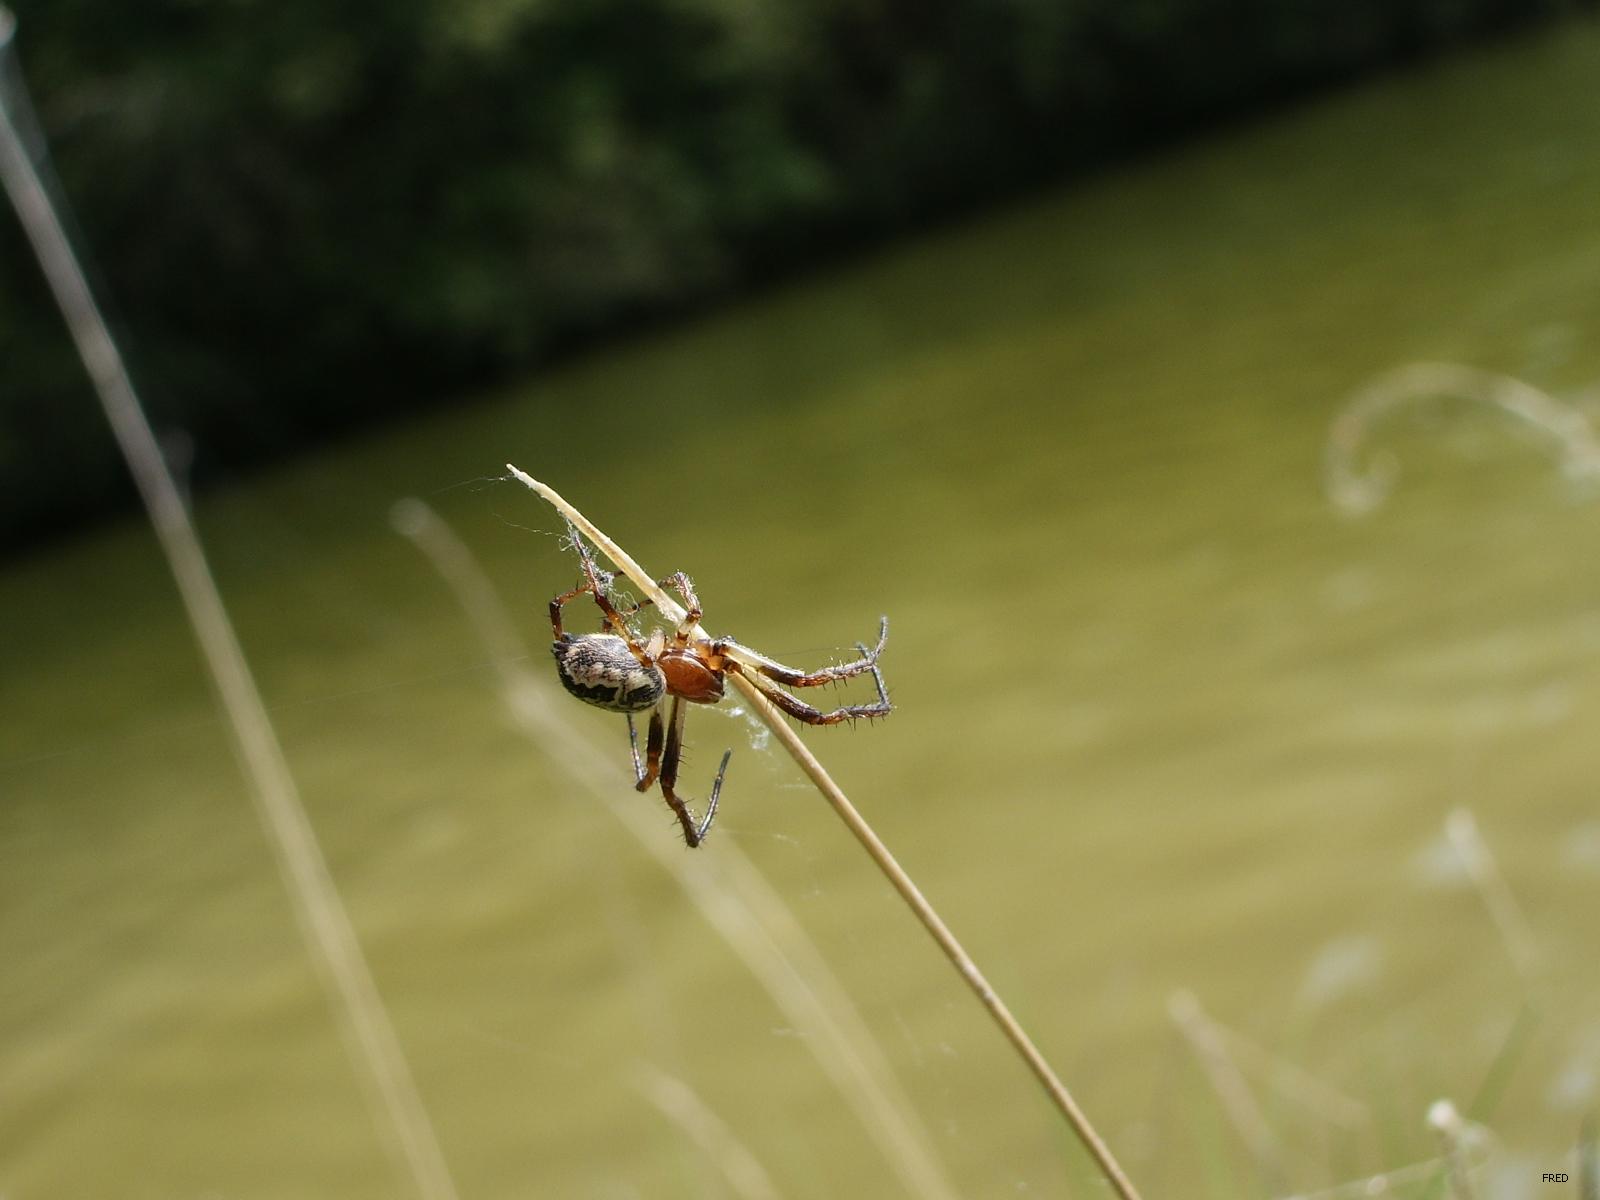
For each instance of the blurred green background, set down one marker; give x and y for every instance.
(312, 217)
(1166, 720)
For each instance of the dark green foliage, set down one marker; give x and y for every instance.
(312, 215)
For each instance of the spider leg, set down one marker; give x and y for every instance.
(644, 776)
(793, 677)
(556, 606)
(598, 584)
(634, 607)
(615, 621)
(691, 602)
(693, 833)
(802, 711)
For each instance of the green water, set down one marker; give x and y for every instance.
(1165, 719)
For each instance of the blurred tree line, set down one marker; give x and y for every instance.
(310, 215)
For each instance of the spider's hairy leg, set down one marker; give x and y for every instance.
(646, 653)
(644, 776)
(794, 677)
(656, 646)
(556, 606)
(691, 602)
(802, 711)
(633, 750)
(598, 579)
(633, 608)
(598, 585)
(693, 832)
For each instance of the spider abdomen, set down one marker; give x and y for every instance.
(598, 668)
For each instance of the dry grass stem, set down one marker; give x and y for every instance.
(329, 935)
(679, 1103)
(1292, 1081)
(1358, 488)
(1228, 1082)
(1383, 1184)
(731, 894)
(1464, 1145)
(885, 861)
(1454, 1135)
(1515, 932)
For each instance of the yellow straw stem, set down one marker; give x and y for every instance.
(857, 824)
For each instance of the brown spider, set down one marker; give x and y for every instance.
(616, 670)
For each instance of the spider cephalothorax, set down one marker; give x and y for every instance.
(619, 671)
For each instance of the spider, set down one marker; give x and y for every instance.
(617, 671)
